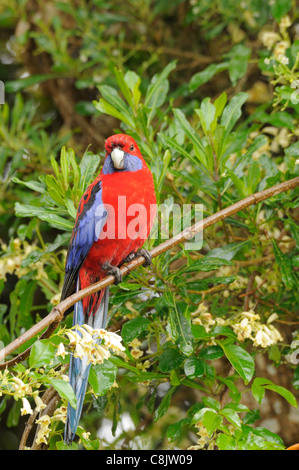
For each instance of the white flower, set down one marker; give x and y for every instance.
(284, 60)
(285, 22)
(61, 350)
(40, 405)
(21, 388)
(262, 339)
(269, 38)
(94, 344)
(44, 430)
(26, 410)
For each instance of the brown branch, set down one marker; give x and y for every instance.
(47, 396)
(56, 315)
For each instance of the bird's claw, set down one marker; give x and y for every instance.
(113, 271)
(142, 252)
(146, 255)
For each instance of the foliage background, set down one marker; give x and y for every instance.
(208, 89)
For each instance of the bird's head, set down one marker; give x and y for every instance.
(122, 154)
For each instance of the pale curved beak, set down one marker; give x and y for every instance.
(117, 156)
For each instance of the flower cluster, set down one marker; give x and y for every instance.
(45, 423)
(20, 390)
(203, 440)
(249, 325)
(12, 261)
(278, 42)
(246, 325)
(135, 348)
(95, 344)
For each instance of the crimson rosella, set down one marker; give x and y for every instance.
(104, 236)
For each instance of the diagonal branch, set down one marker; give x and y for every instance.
(56, 315)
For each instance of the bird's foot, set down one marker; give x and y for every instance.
(113, 271)
(146, 255)
(129, 258)
(142, 252)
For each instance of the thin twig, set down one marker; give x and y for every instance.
(249, 290)
(57, 313)
(46, 397)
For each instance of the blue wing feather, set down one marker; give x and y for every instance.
(90, 221)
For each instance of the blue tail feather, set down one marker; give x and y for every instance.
(79, 368)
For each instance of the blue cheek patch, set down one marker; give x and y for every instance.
(132, 163)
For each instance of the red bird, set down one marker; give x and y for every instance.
(107, 233)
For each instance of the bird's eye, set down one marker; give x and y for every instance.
(132, 147)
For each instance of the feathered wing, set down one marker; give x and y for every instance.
(91, 218)
(90, 221)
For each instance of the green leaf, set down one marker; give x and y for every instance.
(121, 363)
(88, 166)
(240, 359)
(231, 416)
(253, 177)
(293, 150)
(205, 75)
(278, 119)
(238, 61)
(123, 86)
(71, 208)
(267, 384)
(225, 442)
(133, 81)
(192, 135)
(285, 266)
(57, 221)
(14, 86)
(170, 359)
(113, 105)
(175, 430)
(211, 352)
(205, 264)
(134, 328)
(180, 330)
(283, 392)
(294, 229)
(280, 8)
(164, 405)
(206, 114)
(232, 111)
(42, 353)
(219, 104)
(258, 392)
(259, 141)
(89, 444)
(199, 332)
(145, 376)
(102, 377)
(155, 95)
(211, 421)
(65, 390)
(227, 252)
(269, 438)
(169, 142)
(64, 166)
(194, 367)
(26, 210)
(34, 185)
